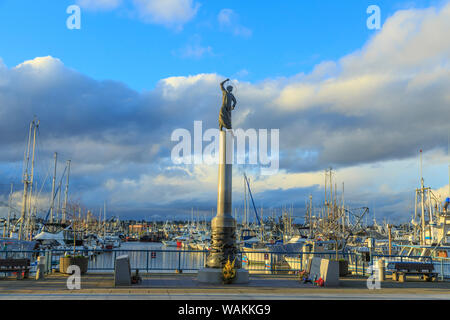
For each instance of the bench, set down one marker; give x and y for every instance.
(16, 265)
(402, 269)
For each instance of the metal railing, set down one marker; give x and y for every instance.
(257, 262)
(441, 265)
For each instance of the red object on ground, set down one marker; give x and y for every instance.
(320, 282)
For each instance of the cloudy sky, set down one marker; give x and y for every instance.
(109, 95)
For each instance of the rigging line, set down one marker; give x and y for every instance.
(56, 192)
(251, 196)
(39, 161)
(40, 166)
(6, 205)
(36, 197)
(27, 139)
(48, 169)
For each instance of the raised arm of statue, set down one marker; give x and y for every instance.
(222, 83)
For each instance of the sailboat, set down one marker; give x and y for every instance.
(22, 240)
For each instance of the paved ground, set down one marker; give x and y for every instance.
(185, 287)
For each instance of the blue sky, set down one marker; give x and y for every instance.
(110, 94)
(287, 38)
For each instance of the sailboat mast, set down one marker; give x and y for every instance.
(326, 200)
(104, 219)
(9, 211)
(36, 126)
(66, 193)
(52, 207)
(59, 200)
(422, 192)
(245, 204)
(26, 161)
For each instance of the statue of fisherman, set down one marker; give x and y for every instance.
(228, 104)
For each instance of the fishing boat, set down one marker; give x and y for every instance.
(110, 242)
(309, 247)
(11, 244)
(169, 243)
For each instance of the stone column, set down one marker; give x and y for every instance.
(223, 226)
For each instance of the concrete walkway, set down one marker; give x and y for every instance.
(185, 287)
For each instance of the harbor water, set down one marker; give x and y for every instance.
(150, 257)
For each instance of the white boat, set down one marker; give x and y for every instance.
(111, 242)
(58, 243)
(169, 243)
(296, 261)
(11, 244)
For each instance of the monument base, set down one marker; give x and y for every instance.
(214, 276)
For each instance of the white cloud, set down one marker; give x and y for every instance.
(170, 13)
(47, 64)
(366, 114)
(229, 21)
(442, 193)
(99, 4)
(195, 49)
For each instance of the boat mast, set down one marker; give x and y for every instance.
(26, 183)
(52, 206)
(104, 219)
(66, 193)
(422, 192)
(9, 211)
(343, 210)
(59, 201)
(244, 223)
(36, 126)
(330, 207)
(310, 216)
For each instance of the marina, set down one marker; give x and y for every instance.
(272, 245)
(196, 151)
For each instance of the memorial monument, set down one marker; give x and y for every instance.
(223, 225)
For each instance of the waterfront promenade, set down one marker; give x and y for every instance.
(185, 287)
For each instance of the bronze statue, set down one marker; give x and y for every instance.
(223, 225)
(225, 111)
